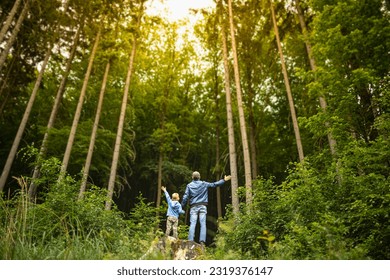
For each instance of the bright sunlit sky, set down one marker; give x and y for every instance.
(176, 9)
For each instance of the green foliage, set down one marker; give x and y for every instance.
(315, 216)
(330, 207)
(63, 227)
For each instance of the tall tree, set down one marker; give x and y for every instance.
(80, 103)
(94, 132)
(218, 168)
(115, 159)
(118, 140)
(229, 113)
(331, 140)
(53, 115)
(9, 19)
(23, 123)
(166, 132)
(15, 31)
(288, 88)
(244, 138)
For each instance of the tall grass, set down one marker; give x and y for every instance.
(62, 227)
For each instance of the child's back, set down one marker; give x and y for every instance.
(173, 212)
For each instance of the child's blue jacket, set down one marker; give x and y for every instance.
(174, 207)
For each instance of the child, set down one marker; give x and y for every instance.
(174, 210)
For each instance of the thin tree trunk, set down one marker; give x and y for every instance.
(115, 159)
(229, 113)
(252, 143)
(331, 140)
(87, 165)
(15, 32)
(252, 130)
(23, 123)
(42, 152)
(80, 104)
(9, 20)
(161, 151)
(217, 146)
(159, 179)
(244, 138)
(288, 89)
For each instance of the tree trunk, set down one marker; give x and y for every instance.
(93, 134)
(159, 179)
(42, 152)
(252, 129)
(288, 89)
(80, 103)
(244, 138)
(115, 159)
(331, 140)
(23, 123)
(218, 135)
(229, 113)
(9, 20)
(15, 32)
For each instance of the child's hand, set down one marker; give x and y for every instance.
(163, 188)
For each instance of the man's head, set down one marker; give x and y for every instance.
(175, 196)
(195, 175)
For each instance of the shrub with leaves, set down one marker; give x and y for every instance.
(63, 227)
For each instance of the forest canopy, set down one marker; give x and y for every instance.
(103, 102)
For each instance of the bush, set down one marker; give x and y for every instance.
(313, 216)
(63, 227)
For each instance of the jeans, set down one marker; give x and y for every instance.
(200, 210)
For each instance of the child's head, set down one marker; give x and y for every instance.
(175, 196)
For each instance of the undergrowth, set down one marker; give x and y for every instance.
(62, 227)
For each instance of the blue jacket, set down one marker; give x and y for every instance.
(197, 192)
(174, 207)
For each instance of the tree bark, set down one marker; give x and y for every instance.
(9, 20)
(42, 152)
(217, 144)
(244, 138)
(87, 165)
(229, 113)
(288, 89)
(115, 159)
(159, 179)
(252, 129)
(23, 123)
(80, 103)
(14, 34)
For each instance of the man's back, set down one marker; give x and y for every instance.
(197, 192)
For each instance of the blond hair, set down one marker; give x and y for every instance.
(175, 196)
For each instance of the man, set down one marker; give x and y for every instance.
(197, 194)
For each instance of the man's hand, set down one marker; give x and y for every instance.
(227, 177)
(163, 188)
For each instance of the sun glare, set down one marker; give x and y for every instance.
(175, 10)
